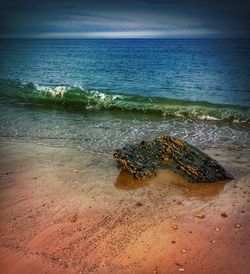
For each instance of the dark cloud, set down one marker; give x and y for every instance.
(165, 18)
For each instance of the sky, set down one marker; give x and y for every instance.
(124, 19)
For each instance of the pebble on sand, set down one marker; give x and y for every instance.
(223, 214)
(200, 215)
(75, 170)
(217, 229)
(175, 226)
(181, 269)
(72, 218)
(237, 226)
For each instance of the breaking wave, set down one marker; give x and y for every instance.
(77, 99)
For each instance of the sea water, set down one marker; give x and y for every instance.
(99, 94)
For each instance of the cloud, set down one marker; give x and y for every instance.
(109, 18)
(128, 34)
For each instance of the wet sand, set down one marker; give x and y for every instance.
(64, 211)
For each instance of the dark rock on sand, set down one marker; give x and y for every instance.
(142, 160)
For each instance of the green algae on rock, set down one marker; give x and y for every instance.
(141, 160)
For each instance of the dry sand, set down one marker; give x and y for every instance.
(63, 211)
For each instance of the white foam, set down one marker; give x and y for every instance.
(208, 117)
(105, 97)
(59, 90)
(53, 91)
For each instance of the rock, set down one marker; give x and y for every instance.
(223, 214)
(141, 160)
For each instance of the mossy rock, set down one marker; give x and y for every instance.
(141, 160)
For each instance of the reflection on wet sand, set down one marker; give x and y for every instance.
(126, 182)
(174, 182)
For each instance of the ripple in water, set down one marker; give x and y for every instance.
(102, 132)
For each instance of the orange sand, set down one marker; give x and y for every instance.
(62, 211)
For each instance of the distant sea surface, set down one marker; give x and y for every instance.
(98, 95)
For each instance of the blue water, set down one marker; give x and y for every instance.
(100, 94)
(211, 70)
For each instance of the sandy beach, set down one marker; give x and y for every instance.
(65, 211)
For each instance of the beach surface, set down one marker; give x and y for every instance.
(65, 211)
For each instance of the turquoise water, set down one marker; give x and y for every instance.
(96, 95)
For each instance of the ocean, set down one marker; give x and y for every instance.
(96, 95)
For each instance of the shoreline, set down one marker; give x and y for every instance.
(65, 211)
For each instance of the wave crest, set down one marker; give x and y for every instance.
(77, 99)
